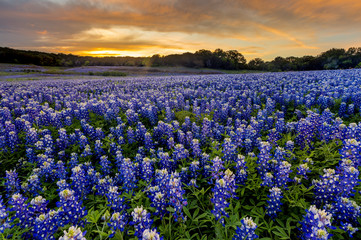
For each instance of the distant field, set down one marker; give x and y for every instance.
(18, 71)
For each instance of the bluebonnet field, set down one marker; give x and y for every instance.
(268, 156)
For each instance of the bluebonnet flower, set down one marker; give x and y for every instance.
(305, 130)
(179, 153)
(118, 221)
(280, 125)
(99, 133)
(13, 140)
(267, 179)
(62, 185)
(269, 122)
(105, 164)
(132, 117)
(59, 170)
(273, 136)
(83, 141)
(170, 143)
(127, 174)
(315, 224)
(345, 210)
(217, 168)
(166, 162)
(68, 121)
(103, 185)
(176, 198)
(147, 169)
(39, 205)
(46, 225)
(148, 142)
(351, 150)
(221, 193)
(229, 177)
(342, 109)
(131, 135)
(182, 138)
(118, 130)
(349, 229)
(204, 160)
(194, 169)
(158, 197)
(30, 154)
(4, 221)
(141, 221)
(87, 151)
(73, 160)
(79, 182)
(98, 148)
(283, 171)
(248, 145)
(193, 183)
(327, 188)
(12, 182)
(149, 234)
(263, 158)
(22, 210)
(247, 230)
(290, 145)
(71, 208)
(326, 132)
(62, 141)
(73, 233)
(115, 202)
(196, 150)
(33, 185)
(270, 106)
(206, 130)
(48, 141)
(184, 176)
(140, 132)
(352, 131)
(31, 137)
(349, 178)
(229, 150)
(168, 114)
(241, 170)
(274, 202)
(303, 169)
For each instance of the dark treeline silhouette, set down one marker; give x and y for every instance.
(335, 58)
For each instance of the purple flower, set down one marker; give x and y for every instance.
(118, 221)
(247, 230)
(274, 202)
(315, 224)
(141, 221)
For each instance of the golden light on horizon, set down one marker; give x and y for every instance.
(108, 53)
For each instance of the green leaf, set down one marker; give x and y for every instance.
(170, 209)
(186, 211)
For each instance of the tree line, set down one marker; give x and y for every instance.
(335, 58)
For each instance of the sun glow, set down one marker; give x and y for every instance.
(109, 53)
(142, 52)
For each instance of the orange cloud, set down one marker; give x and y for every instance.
(42, 32)
(287, 36)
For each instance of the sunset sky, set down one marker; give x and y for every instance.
(257, 28)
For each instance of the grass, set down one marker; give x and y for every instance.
(12, 73)
(240, 71)
(108, 74)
